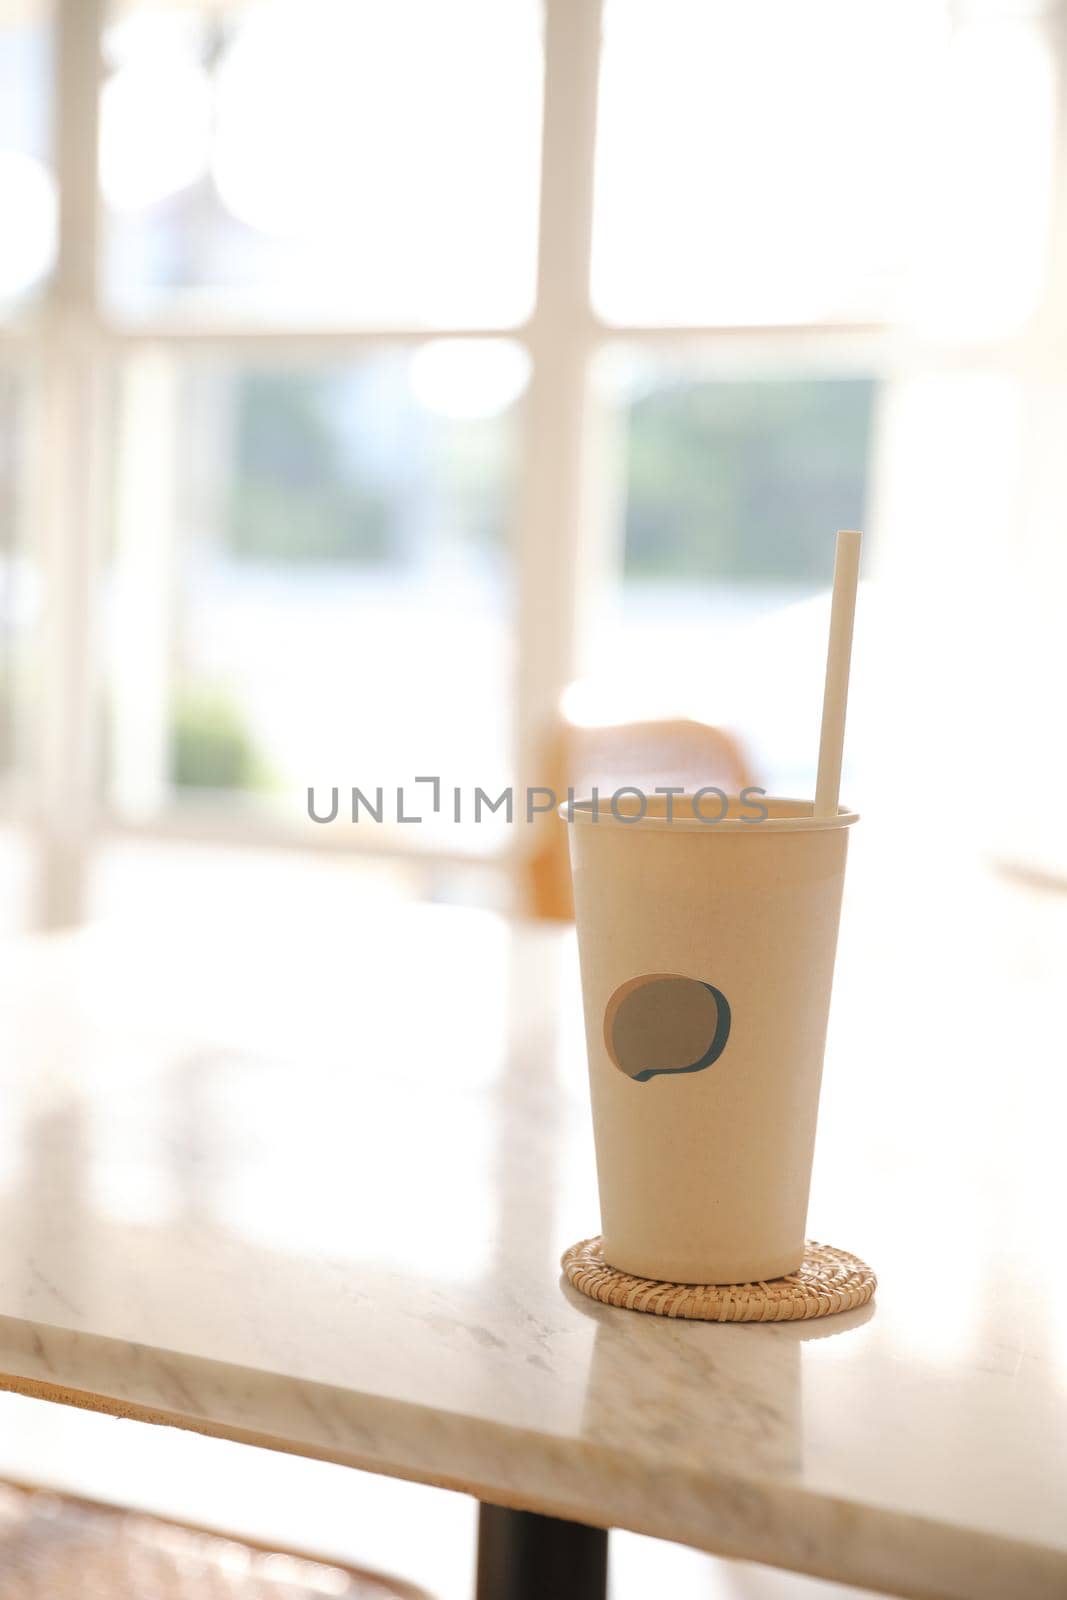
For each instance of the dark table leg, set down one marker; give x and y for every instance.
(523, 1556)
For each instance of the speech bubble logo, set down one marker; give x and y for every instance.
(661, 1024)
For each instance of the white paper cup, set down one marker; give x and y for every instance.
(707, 956)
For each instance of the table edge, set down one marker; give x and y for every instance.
(727, 1514)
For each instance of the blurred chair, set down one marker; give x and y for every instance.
(610, 754)
(55, 1547)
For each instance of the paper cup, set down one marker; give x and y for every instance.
(707, 956)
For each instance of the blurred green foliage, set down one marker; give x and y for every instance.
(295, 495)
(471, 465)
(725, 479)
(744, 480)
(211, 745)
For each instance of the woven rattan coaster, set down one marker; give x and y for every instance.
(826, 1281)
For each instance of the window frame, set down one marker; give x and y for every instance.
(561, 533)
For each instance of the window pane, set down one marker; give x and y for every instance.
(775, 162)
(732, 492)
(324, 159)
(27, 187)
(312, 582)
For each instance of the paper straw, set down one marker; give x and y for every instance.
(838, 657)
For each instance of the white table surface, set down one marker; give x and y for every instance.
(309, 1186)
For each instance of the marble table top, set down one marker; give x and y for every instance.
(309, 1186)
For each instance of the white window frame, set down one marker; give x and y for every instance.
(561, 527)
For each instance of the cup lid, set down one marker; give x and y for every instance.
(707, 810)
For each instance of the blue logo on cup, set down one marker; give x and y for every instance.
(662, 1024)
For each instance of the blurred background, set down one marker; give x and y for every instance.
(371, 373)
(375, 375)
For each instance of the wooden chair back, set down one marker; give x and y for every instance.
(677, 751)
